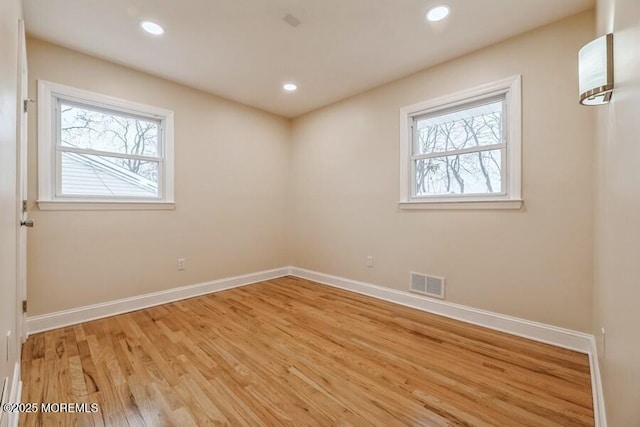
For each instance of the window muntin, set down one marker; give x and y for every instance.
(462, 150)
(478, 172)
(97, 152)
(100, 176)
(89, 127)
(106, 153)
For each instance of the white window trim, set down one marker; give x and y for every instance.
(48, 92)
(512, 198)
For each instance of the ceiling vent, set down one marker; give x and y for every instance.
(432, 286)
(291, 20)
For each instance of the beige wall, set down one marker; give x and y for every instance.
(617, 220)
(231, 173)
(535, 263)
(254, 192)
(10, 13)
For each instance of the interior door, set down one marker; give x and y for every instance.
(23, 85)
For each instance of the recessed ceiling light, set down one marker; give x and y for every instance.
(438, 13)
(152, 28)
(290, 87)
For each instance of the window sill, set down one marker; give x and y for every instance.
(462, 205)
(85, 205)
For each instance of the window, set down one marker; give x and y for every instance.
(463, 150)
(99, 152)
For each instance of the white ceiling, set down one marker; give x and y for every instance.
(243, 50)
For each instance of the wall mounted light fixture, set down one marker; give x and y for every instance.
(595, 63)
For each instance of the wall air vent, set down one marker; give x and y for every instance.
(432, 286)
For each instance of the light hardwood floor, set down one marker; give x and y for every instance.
(293, 352)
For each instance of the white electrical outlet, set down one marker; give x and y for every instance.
(181, 263)
(370, 261)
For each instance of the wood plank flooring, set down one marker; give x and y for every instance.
(293, 352)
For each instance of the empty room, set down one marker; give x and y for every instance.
(319, 213)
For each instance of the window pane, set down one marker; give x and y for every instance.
(476, 126)
(89, 175)
(471, 173)
(84, 127)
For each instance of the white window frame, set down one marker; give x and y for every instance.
(511, 197)
(49, 170)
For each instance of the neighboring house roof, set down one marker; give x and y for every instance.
(90, 175)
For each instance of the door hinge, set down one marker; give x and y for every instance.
(25, 104)
(24, 305)
(24, 206)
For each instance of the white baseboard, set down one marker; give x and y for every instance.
(566, 338)
(599, 412)
(548, 334)
(15, 395)
(560, 337)
(74, 316)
